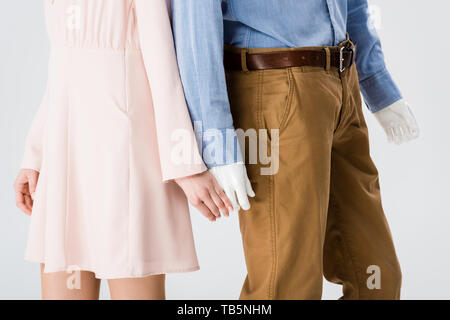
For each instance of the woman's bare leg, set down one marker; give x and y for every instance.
(78, 285)
(149, 288)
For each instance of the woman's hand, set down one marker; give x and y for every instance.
(24, 187)
(205, 194)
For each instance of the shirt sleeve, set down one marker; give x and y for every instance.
(173, 124)
(198, 31)
(377, 86)
(34, 144)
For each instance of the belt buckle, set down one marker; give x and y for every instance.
(341, 57)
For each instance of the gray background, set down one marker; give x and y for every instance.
(414, 178)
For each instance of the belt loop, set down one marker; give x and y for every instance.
(327, 58)
(348, 42)
(244, 52)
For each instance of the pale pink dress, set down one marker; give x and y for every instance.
(102, 141)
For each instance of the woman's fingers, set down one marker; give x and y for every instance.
(28, 202)
(204, 210)
(24, 188)
(226, 201)
(222, 195)
(32, 182)
(20, 202)
(219, 202)
(208, 201)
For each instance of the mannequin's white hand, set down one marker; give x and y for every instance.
(234, 180)
(398, 122)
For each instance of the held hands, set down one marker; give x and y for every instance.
(398, 122)
(25, 187)
(205, 191)
(234, 180)
(206, 195)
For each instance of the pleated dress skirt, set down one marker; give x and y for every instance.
(101, 204)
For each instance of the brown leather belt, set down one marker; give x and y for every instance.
(341, 57)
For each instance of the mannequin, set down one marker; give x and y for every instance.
(299, 67)
(397, 121)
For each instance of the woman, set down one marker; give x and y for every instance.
(99, 150)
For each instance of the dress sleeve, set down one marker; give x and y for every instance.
(35, 139)
(171, 114)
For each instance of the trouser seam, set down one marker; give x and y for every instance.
(344, 108)
(273, 241)
(272, 235)
(336, 208)
(259, 100)
(336, 211)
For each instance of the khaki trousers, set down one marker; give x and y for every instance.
(321, 213)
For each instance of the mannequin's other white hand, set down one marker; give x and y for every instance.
(234, 180)
(398, 122)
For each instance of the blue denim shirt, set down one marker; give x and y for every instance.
(202, 26)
